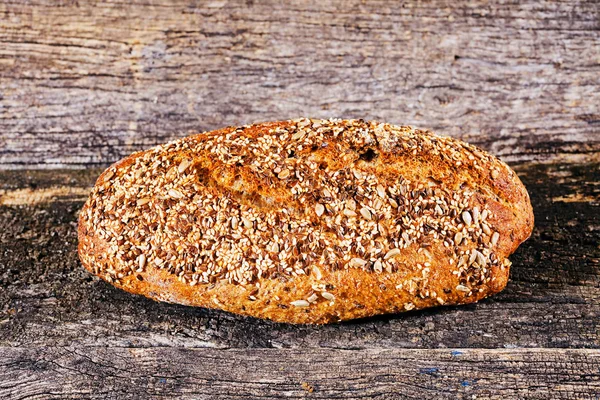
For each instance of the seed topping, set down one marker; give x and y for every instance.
(246, 209)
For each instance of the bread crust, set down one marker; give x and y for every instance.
(307, 221)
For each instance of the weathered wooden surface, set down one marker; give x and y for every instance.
(85, 83)
(141, 373)
(64, 333)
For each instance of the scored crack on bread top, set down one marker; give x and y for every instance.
(281, 205)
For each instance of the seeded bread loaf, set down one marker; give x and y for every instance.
(307, 221)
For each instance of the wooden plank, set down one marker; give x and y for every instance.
(86, 83)
(48, 299)
(152, 373)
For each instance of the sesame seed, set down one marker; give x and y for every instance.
(495, 173)
(312, 298)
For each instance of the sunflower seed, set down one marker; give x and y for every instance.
(476, 215)
(463, 288)
(484, 215)
(298, 135)
(458, 238)
(183, 165)
(351, 205)
(328, 296)
(480, 259)
(246, 222)
(472, 257)
(142, 261)
(486, 229)
(365, 213)
(317, 273)
(357, 262)
(349, 213)
(495, 238)
(284, 174)
(300, 303)
(391, 253)
(319, 209)
(176, 194)
(109, 174)
(466, 216)
(377, 266)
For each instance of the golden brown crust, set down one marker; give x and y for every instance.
(307, 221)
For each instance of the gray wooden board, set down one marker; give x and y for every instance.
(86, 83)
(312, 373)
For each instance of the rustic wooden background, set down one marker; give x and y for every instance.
(83, 84)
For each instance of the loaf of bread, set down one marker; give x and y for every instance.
(307, 221)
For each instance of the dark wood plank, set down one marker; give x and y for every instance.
(552, 300)
(142, 373)
(86, 83)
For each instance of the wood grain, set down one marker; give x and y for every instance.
(552, 300)
(86, 83)
(153, 373)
